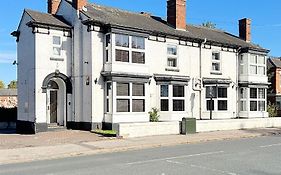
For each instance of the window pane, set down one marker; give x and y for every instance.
(261, 93)
(122, 55)
(172, 62)
(123, 105)
(253, 69)
(215, 56)
(222, 92)
(106, 55)
(138, 90)
(108, 40)
(123, 89)
(138, 57)
(210, 105)
(222, 105)
(57, 51)
(164, 105)
(253, 106)
(172, 50)
(241, 69)
(253, 93)
(253, 59)
(243, 106)
(216, 66)
(261, 70)
(138, 106)
(178, 105)
(56, 40)
(261, 105)
(122, 40)
(243, 93)
(178, 91)
(107, 105)
(164, 90)
(138, 42)
(261, 60)
(108, 88)
(211, 91)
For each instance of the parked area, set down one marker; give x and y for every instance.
(8, 141)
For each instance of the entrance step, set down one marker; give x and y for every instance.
(55, 127)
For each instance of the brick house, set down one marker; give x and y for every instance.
(8, 98)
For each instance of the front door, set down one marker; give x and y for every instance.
(53, 106)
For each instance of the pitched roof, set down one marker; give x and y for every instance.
(275, 62)
(146, 23)
(8, 92)
(47, 19)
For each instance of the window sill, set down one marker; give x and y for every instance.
(216, 73)
(172, 69)
(56, 59)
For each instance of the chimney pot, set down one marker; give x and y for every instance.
(53, 6)
(245, 29)
(176, 13)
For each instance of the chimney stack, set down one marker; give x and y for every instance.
(53, 6)
(79, 4)
(245, 29)
(176, 13)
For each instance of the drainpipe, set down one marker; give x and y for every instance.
(200, 76)
(237, 80)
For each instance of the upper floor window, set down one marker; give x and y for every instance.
(216, 62)
(130, 49)
(172, 56)
(122, 40)
(57, 45)
(107, 47)
(257, 65)
(242, 64)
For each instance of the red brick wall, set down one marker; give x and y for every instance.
(53, 6)
(176, 13)
(245, 29)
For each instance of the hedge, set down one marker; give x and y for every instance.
(8, 114)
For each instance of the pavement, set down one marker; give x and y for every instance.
(16, 148)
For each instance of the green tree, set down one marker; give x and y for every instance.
(209, 24)
(12, 85)
(2, 84)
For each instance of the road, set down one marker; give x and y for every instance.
(257, 156)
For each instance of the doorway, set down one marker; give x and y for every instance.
(53, 106)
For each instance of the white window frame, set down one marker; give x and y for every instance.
(131, 97)
(130, 50)
(108, 56)
(58, 46)
(172, 56)
(216, 62)
(257, 65)
(171, 98)
(258, 99)
(243, 99)
(217, 99)
(242, 64)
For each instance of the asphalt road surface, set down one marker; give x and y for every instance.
(257, 156)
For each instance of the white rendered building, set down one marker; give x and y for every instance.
(84, 66)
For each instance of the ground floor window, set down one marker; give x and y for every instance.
(257, 99)
(216, 98)
(130, 97)
(172, 97)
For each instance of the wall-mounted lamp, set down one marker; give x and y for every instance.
(87, 80)
(96, 81)
(86, 62)
(149, 81)
(15, 62)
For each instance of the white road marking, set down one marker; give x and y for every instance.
(266, 146)
(213, 169)
(176, 157)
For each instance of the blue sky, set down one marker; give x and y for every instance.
(266, 23)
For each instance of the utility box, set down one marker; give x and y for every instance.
(188, 126)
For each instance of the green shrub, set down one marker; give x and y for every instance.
(153, 115)
(272, 110)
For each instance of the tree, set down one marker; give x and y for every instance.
(12, 85)
(209, 24)
(2, 85)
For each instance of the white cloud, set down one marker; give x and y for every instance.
(7, 57)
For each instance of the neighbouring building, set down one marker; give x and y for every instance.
(84, 66)
(8, 98)
(274, 76)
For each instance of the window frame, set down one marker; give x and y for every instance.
(257, 65)
(57, 46)
(173, 56)
(258, 100)
(214, 61)
(171, 98)
(216, 99)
